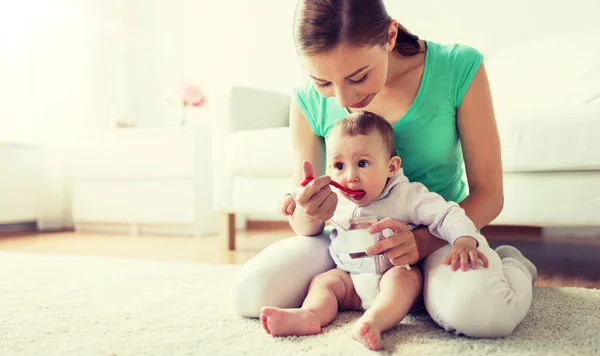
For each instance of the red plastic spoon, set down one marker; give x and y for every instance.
(337, 185)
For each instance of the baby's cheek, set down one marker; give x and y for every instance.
(336, 176)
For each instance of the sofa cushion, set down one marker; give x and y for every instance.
(260, 153)
(550, 140)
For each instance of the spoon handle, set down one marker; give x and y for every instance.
(333, 183)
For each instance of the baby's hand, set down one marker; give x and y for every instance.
(288, 205)
(462, 251)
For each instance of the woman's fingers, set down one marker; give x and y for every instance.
(400, 256)
(387, 223)
(327, 208)
(386, 244)
(312, 189)
(401, 235)
(314, 206)
(307, 170)
(399, 249)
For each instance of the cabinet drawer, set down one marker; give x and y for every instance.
(158, 201)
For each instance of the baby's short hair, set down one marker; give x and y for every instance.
(364, 123)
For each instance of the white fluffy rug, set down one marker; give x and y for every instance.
(67, 305)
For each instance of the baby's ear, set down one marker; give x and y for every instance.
(394, 165)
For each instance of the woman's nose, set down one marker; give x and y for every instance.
(343, 97)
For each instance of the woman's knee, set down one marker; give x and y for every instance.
(472, 315)
(475, 311)
(279, 275)
(249, 293)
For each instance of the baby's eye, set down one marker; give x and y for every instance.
(363, 163)
(339, 166)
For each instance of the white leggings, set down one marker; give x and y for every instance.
(486, 302)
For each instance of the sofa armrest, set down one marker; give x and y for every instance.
(240, 108)
(251, 108)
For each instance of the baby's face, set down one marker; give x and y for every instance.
(359, 162)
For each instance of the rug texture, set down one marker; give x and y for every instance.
(67, 305)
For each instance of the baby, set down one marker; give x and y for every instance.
(361, 157)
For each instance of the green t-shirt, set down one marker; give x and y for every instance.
(426, 137)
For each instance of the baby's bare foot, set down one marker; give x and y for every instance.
(284, 322)
(367, 333)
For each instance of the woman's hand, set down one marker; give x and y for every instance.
(463, 250)
(400, 248)
(316, 199)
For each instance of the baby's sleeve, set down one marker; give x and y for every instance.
(445, 220)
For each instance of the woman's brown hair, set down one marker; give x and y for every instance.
(320, 25)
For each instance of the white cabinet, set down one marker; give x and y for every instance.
(20, 167)
(155, 180)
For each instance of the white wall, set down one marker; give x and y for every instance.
(217, 43)
(55, 65)
(214, 42)
(69, 67)
(115, 59)
(488, 25)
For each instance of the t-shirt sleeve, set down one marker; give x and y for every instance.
(464, 63)
(308, 100)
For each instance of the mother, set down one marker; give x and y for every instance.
(438, 100)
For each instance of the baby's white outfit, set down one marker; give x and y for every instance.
(409, 202)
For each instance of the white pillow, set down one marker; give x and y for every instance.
(551, 72)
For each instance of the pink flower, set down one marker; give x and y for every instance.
(193, 96)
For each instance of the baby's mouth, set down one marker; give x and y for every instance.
(356, 194)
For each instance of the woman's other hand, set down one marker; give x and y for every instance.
(400, 248)
(316, 199)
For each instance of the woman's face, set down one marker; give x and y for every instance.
(353, 74)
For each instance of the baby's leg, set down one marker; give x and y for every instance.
(398, 291)
(327, 292)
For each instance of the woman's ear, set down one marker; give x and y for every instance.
(392, 35)
(394, 165)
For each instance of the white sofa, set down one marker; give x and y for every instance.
(548, 113)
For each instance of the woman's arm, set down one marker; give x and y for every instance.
(306, 147)
(481, 150)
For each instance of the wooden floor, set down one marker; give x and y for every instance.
(560, 261)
